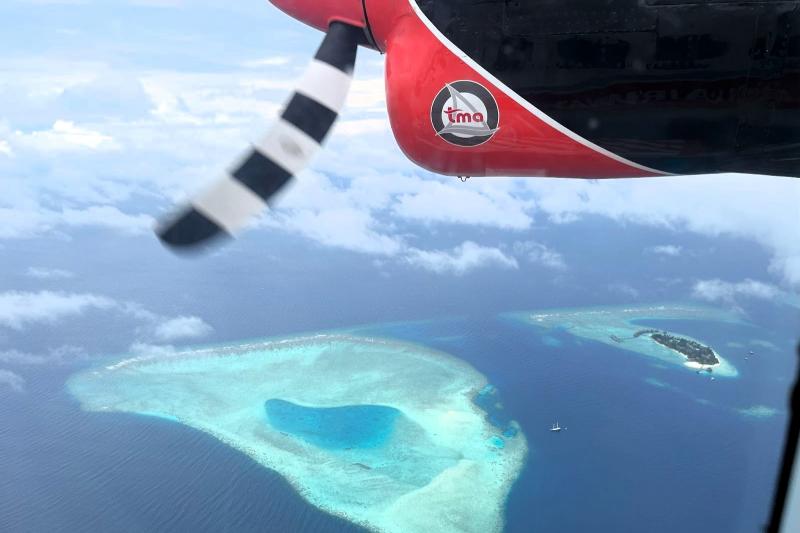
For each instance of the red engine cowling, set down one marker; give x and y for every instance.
(448, 114)
(421, 64)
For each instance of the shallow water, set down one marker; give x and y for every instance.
(380, 432)
(334, 428)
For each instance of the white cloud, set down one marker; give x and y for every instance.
(764, 344)
(109, 96)
(272, 61)
(107, 217)
(48, 273)
(12, 380)
(666, 249)
(182, 327)
(62, 354)
(345, 227)
(367, 94)
(352, 214)
(360, 126)
(33, 220)
(762, 209)
(5, 148)
(540, 254)
(211, 101)
(18, 309)
(717, 290)
(462, 203)
(625, 289)
(16, 356)
(63, 136)
(165, 328)
(152, 350)
(460, 260)
(21, 309)
(20, 222)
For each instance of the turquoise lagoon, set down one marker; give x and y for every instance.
(385, 434)
(334, 428)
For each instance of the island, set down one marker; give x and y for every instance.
(392, 436)
(693, 350)
(622, 327)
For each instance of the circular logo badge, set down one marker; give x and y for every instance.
(465, 113)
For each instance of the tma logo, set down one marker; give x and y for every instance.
(465, 113)
(457, 116)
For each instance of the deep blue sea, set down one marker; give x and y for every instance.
(648, 447)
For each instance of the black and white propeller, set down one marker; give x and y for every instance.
(246, 190)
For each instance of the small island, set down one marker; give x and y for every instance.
(622, 328)
(693, 350)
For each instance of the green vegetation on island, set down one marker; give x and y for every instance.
(693, 350)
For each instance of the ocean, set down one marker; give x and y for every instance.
(647, 446)
(677, 456)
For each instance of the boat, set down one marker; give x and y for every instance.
(556, 428)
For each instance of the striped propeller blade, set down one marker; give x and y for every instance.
(245, 191)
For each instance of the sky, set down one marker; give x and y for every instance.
(113, 111)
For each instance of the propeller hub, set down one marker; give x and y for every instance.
(320, 13)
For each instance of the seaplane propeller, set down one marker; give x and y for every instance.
(267, 167)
